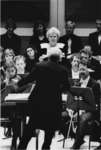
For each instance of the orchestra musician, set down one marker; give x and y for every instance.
(95, 39)
(90, 113)
(73, 43)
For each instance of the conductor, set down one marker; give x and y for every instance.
(45, 101)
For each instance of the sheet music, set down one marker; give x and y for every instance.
(17, 97)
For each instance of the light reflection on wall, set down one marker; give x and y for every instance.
(29, 31)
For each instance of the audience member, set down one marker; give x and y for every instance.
(73, 43)
(45, 100)
(10, 39)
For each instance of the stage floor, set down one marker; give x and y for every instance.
(5, 143)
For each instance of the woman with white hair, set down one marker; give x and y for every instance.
(53, 35)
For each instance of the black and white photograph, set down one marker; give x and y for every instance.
(50, 75)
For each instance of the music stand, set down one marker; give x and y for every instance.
(84, 100)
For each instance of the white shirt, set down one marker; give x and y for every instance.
(84, 82)
(69, 46)
(75, 75)
(99, 39)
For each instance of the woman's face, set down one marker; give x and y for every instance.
(8, 58)
(12, 72)
(20, 65)
(30, 52)
(75, 62)
(40, 29)
(53, 38)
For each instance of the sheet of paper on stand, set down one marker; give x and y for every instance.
(17, 97)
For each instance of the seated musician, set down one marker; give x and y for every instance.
(53, 35)
(88, 113)
(94, 65)
(73, 71)
(73, 76)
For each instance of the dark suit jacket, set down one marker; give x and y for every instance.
(96, 66)
(76, 45)
(14, 42)
(96, 90)
(45, 100)
(93, 41)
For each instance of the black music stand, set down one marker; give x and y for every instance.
(82, 98)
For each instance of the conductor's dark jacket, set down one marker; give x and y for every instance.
(45, 100)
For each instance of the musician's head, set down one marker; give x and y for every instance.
(10, 26)
(86, 54)
(83, 70)
(20, 63)
(12, 71)
(53, 34)
(98, 24)
(70, 26)
(75, 60)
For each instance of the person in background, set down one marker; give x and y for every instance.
(39, 35)
(73, 43)
(94, 66)
(8, 58)
(10, 39)
(11, 75)
(1, 56)
(31, 57)
(45, 103)
(20, 63)
(73, 71)
(94, 39)
(53, 35)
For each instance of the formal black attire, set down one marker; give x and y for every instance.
(13, 42)
(96, 67)
(34, 40)
(93, 41)
(76, 44)
(91, 112)
(45, 100)
(30, 64)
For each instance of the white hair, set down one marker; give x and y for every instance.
(53, 30)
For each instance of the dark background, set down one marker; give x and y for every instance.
(25, 10)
